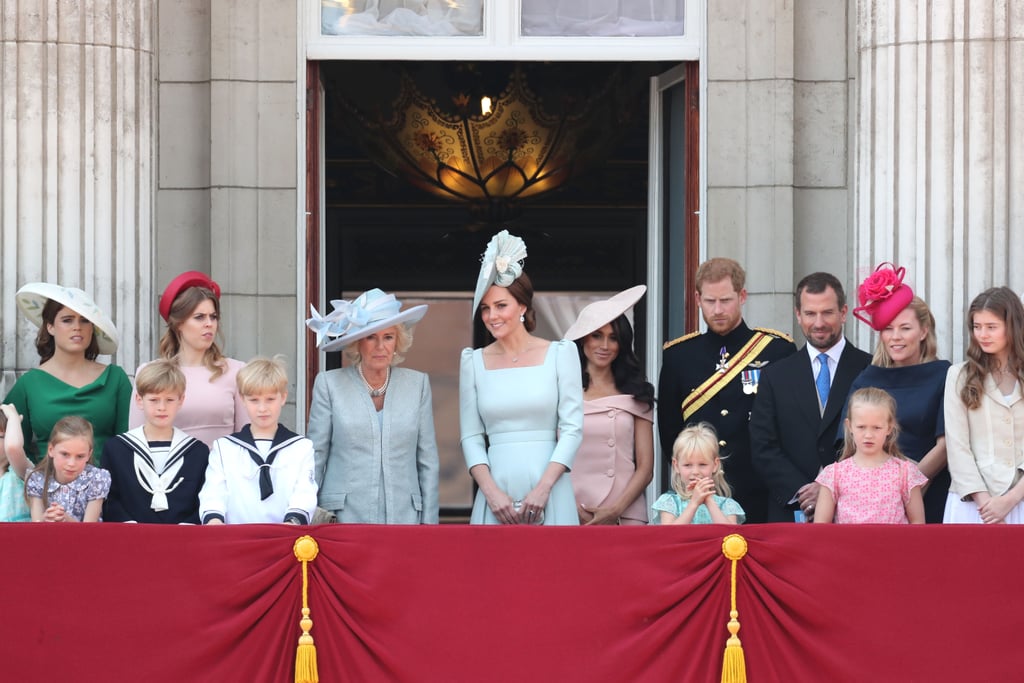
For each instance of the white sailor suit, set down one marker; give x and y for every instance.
(249, 485)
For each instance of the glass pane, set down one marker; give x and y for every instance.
(402, 17)
(602, 18)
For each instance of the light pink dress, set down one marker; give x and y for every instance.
(211, 409)
(871, 495)
(605, 462)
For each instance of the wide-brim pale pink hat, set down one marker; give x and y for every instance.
(33, 297)
(598, 314)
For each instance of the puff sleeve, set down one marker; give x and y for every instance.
(471, 425)
(570, 403)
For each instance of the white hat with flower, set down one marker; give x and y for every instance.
(32, 297)
(500, 265)
(350, 321)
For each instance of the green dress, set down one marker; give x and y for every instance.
(43, 400)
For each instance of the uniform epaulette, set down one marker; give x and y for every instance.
(680, 339)
(774, 333)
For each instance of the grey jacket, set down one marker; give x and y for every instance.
(370, 475)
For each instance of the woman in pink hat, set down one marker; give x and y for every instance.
(73, 331)
(212, 406)
(905, 365)
(615, 461)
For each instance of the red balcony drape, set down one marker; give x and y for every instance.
(133, 602)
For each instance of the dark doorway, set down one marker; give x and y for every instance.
(588, 236)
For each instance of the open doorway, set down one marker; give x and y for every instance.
(589, 237)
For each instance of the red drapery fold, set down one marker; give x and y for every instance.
(855, 603)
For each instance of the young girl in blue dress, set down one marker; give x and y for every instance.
(13, 465)
(700, 493)
(64, 487)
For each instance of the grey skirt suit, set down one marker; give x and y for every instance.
(375, 469)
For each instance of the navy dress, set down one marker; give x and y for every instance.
(918, 390)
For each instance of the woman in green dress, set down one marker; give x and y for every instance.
(73, 331)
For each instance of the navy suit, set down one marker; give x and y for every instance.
(791, 440)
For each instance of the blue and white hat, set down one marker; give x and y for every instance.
(350, 321)
(500, 265)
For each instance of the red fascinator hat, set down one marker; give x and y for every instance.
(882, 296)
(190, 278)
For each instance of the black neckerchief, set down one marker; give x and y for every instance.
(283, 438)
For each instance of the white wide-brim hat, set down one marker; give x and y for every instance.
(350, 321)
(33, 297)
(598, 314)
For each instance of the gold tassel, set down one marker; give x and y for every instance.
(734, 666)
(306, 550)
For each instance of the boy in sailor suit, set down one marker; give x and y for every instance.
(263, 473)
(156, 470)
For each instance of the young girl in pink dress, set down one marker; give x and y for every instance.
(873, 482)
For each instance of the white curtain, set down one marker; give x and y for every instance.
(465, 17)
(602, 18)
(402, 17)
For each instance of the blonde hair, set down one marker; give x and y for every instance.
(879, 398)
(158, 376)
(71, 427)
(929, 345)
(699, 439)
(403, 342)
(263, 374)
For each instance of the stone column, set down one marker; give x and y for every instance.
(941, 95)
(76, 152)
(778, 167)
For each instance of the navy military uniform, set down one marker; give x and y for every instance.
(716, 376)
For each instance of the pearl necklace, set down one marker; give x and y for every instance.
(374, 393)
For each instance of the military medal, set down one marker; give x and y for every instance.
(750, 379)
(723, 361)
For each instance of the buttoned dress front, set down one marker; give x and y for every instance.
(606, 460)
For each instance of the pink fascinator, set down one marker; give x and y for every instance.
(882, 296)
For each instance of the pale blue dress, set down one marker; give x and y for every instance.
(13, 507)
(530, 416)
(673, 503)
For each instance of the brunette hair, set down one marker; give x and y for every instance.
(521, 290)
(1004, 303)
(160, 375)
(698, 439)
(45, 344)
(181, 308)
(717, 269)
(70, 427)
(929, 345)
(403, 342)
(817, 283)
(626, 371)
(872, 396)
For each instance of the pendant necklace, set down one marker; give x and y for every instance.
(374, 393)
(515, 358)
